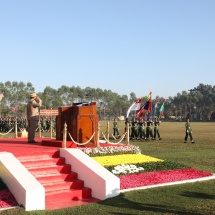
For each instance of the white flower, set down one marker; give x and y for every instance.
(111, 150)
(126, 169)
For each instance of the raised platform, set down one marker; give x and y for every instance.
(43, 161)
(57, 143)
(70, 144)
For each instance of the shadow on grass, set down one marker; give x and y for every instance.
(198, 195)
(123, 204)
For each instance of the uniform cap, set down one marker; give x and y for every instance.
(33, 95)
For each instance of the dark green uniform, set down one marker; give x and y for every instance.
(156, 129)
(115, 128)
(134, 129)
(141, 130)
(188, 132)
(149, 133)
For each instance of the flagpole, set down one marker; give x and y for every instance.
(151, 104)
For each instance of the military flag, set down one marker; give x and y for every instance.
(146, 107)
(134, 107)
(154, 109)
(161, 110)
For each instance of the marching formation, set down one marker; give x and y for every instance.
(144, 130)
(147, 127)
(139, 129)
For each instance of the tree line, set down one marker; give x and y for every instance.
(199, 102)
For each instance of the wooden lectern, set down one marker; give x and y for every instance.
(82, 123)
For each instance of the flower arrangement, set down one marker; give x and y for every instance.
(145, 167)
(7, 199)
(153, 178)
(125, 159)
(136, 170)
(112, 150)
(124, 169)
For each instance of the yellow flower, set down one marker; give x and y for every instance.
(125, 159)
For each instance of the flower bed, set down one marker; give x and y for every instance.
(7, 200)
(112, 150)
(112, 160)
(152, 178)
(138, 170)
(144, 167)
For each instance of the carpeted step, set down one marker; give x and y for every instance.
(63, 185)
(51, 178)
(65, 202)
(72, 194)
(39, 155)
(43, 162)
(58, 143)
(39, 171)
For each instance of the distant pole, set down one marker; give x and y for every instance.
(39, 126)
(64, 135)
(127, 134)
(108, 130)
(98, 145)
(16, 128)
(51, 125)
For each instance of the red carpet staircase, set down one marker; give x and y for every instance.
(62, 186)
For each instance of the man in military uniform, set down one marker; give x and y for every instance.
(149, 133)
(33, 116)
(141, 129)
(134, 129)
(115, 128)
(188, 131)
(156, 128)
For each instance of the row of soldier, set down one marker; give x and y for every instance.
(8, 124)
(139, 129)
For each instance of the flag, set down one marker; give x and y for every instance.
(146, 117)
(146, 107)
(154, 109)
(149, 102)
(161, 110)
(134, 106)
(149, 96)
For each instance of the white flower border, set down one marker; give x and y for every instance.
(111, 150)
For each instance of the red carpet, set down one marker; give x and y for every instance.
(62, 186)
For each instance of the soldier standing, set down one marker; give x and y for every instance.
(115, 128)
(188, 132)
(33, 116)
(134, 129)
(141, 129)
(149, 123)
(156, 129)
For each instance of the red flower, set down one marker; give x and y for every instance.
(152, 178)
(7, 199)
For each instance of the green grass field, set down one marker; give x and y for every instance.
(185, 199)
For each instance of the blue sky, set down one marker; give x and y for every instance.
(163, 46)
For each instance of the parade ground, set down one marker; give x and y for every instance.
(188, 198)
